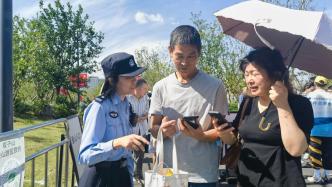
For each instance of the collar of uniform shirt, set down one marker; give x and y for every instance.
(116, 99)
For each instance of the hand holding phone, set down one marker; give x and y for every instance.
(191, 120)
(168, 127)
(221, 119)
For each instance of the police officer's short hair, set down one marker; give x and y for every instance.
(185, 35)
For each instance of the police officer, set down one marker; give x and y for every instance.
(108, 140)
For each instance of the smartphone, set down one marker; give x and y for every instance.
(219, 116)
(191, 120)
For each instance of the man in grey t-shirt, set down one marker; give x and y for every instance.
(188, 92)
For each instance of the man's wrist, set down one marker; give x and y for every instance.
(154, 130)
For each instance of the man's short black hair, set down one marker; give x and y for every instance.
(140, 82)
(185, 35)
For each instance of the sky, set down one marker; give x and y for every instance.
(129, 25)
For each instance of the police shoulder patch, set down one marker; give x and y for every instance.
(100, 99)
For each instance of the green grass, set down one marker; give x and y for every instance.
(37, 140)
(233, 107)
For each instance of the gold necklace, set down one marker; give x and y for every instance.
(263, 119)
(261, 123)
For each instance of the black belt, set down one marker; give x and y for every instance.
(113, 164)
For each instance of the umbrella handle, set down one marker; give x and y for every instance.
(267, 43)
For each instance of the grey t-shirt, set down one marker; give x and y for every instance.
(173, 99)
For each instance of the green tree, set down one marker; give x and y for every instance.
(294, 4)
(220, 56)
(72, 43)
(21, 67)
(71, 40)
(155, 62)
(29, 62)
(41, 63)
(57, 44)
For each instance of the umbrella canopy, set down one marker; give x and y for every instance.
(286, 29)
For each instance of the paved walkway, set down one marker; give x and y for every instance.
(306, 172)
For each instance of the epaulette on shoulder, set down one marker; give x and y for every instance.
(100, 99)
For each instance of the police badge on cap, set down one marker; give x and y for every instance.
(121, 64)
(131, 63)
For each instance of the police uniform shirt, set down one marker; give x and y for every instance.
(104, 121)
(263, 158)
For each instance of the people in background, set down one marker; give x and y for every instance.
(308, 87)
(140, 105)
(320, 148)
(329, 88)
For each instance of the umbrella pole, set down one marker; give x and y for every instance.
(297, 44)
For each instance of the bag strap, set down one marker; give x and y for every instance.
(238, 121)
(243, 109)
(174, 157)
(160, 153)
(159, 150)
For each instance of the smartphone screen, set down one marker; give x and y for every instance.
(191, 120)
(219, 116)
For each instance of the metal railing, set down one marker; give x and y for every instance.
(62, 151)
